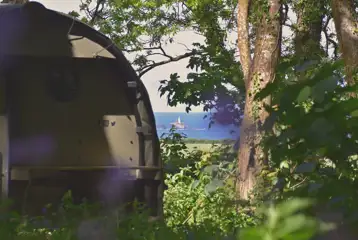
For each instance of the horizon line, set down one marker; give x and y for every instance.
(180, 112)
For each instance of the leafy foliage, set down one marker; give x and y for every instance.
(199, 192)
(312, 148)
(147, 28)
(199, 204)
(314, 145)
(117, 226)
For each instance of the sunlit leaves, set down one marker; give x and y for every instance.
(284, 222)
(197, 192)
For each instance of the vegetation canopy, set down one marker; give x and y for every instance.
(286, 73)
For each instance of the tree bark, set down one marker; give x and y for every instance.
(262, 70)
(345, 20)
(243, 41)
(307, 41)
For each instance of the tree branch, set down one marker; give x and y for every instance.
(97, 11)
(328, 39)
(232, 17)
(184, 45)
(164, 53)
(325, 31)
(285, 9)
(146, 69)
(139, 49)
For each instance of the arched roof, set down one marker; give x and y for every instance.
(16, 17)
(86, 41)
(31, 29)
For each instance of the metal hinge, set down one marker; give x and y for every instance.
(132, 84)
(144, 130)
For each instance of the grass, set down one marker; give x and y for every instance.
(205, 147)
(200, 146)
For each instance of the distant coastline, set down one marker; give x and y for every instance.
(208, 141)
(195, 125)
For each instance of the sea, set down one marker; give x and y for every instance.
(196, 126)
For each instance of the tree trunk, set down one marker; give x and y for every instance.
(243, 41)
(345, 20)
(262, 70)
(307, 41)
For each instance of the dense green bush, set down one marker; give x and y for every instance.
(314, 146)
(201, 193)
(77, 222)
(199, 204)
(200, 189)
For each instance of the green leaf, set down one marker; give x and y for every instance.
(329, 84)
(284, 164)
(321, 127)
(304, 94)
(269, 89)
(273, 217)
(295, 223)
(211, 169)
(306, 167)
(306, 65)
(251, 233)
(314, 186)
(292, 206)
(354, 113)
(213, 186)
(195, 184)
(271, 174)
(325, 227)
(304, 234)
(318, 94)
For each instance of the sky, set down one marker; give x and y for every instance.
(152, 78)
